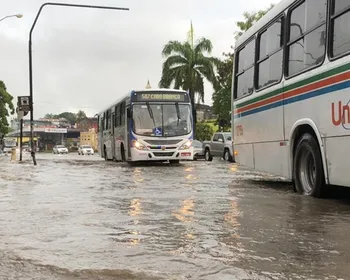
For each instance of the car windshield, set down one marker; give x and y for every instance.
(60, 146)
(86, 147)
(162, 119)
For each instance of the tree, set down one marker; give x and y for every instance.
(80, 116)
(6, 108)
(51, 116)
(187, 65)
(222, 94)
(204, 131)
(223, 91)
(250, 18)
(69, 116)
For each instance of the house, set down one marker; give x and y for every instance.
(204, 112)
(87, 124)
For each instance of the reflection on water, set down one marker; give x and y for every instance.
(185, 214)
(102, 220)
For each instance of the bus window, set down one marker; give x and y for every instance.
(307, 29)
(270, 55)
(122, 114)
(245, 71)
(340, 28)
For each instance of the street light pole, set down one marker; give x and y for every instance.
(17, 16)
(31, 62)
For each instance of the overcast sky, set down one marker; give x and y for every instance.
(85, 59)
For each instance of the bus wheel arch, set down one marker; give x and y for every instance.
(305, 137)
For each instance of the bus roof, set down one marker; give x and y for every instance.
(125, 96)
(274, 12)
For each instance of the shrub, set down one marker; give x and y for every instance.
(204, 131)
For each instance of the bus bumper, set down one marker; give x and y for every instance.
(158, 155)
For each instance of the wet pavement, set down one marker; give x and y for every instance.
(78, 217)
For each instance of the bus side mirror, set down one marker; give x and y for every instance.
(128, 113)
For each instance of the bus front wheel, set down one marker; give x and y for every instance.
(308, 173)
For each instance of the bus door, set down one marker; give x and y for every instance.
(128, 130)
(113, 138)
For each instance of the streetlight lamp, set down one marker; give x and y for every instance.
(17, 16)
(31, 63)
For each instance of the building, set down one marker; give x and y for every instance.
(87, 124)
(89, 138)
(205, 112)
(47, 133)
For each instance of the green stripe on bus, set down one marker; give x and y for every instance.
(296, 85)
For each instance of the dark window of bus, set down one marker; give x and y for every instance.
(245, 71)
(307, 36)
(117, 116)
(106, 121)
(340, 27)
(270, 55)
(122, 114)
(109, 118)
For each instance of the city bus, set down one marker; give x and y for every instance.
(147, 125)
(291, 91)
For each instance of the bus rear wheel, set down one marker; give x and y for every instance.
(308, 173)
(105, 153)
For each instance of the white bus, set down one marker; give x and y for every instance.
(147, 125)
(291, 91)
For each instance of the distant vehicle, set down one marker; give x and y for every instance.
(198, 151)
(60, 149)
(7, 150)
(147, 125)
(85, 150)
(220, 145)
(2, 153)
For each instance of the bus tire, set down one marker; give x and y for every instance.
(227, 156)
(308, 172)
(122, 152)
(105, 153)
(207, 155)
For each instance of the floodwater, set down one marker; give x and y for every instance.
(78, 217)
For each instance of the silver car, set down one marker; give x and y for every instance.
(85, 150)
(198, 151)
(60, 149)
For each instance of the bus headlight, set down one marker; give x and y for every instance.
(187, 145)
(138, 145)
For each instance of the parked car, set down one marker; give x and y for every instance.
(198, 151)
(85, 150)
(220, 145)
(60, 149)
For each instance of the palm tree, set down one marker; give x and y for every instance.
(186, 66)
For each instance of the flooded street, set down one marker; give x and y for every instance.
(75, 217)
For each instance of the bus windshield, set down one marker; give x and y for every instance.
(162, 119)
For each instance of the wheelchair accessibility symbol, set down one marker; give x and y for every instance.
(158, 131)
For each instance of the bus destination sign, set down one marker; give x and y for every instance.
(160, 96)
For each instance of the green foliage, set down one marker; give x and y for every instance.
(69, 116)
(6, 108)
(204, 131)
(80, 116)
(186, 66)
(222, 94)
(250, 18)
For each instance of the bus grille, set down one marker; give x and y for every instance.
(162, 142)
(167, 154)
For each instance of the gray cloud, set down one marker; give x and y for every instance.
(85, 59)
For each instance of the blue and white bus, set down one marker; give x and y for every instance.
(147, 125)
